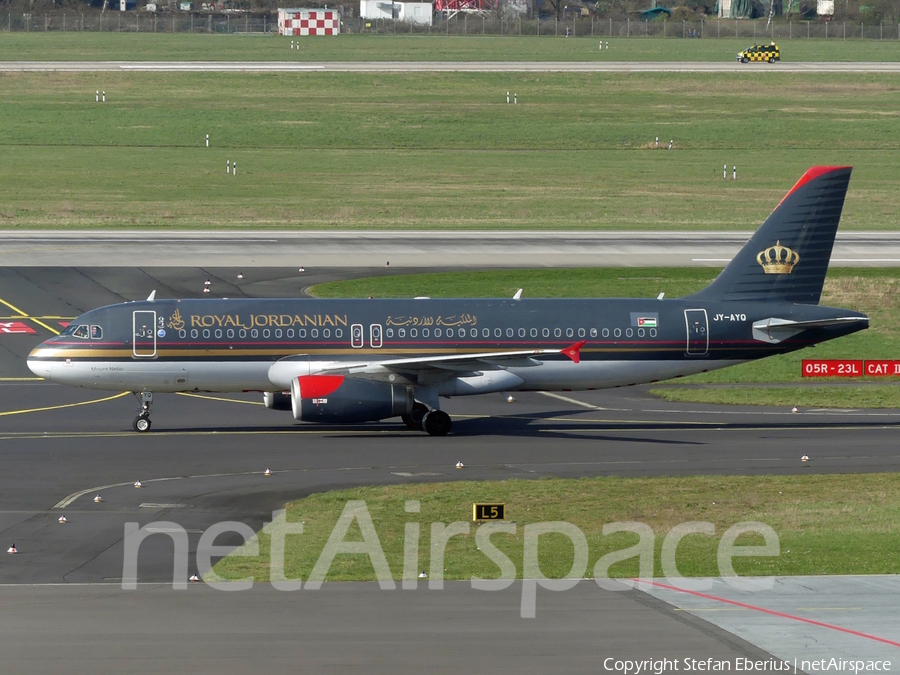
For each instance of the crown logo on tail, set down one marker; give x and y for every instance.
(778, 259)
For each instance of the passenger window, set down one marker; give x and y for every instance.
(278, 333)
(337, 333)
(534, 332)
(326, 333)
(545, 332)
(641, 332)
(206, 332)
(629, 332)
(413, 333)
(425, 332)
(509, 332)
(474, 332)
(581, 332)
(485, 332)
(230, 333)
(266, 333)
(301, 333)
(82, 332)
(401, 333)
(218, 333)
(593, 332)
(314, 333)
(617, 332)
(195, 334)
(389, 332)
(606, 332)
(96, 333)
(437, 332)
(182, 333)
(253, 333)
(557, 332)
(498, 332)
(569, 332)
(521, 332)
(652, 332)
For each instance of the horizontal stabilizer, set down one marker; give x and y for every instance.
(774, 330)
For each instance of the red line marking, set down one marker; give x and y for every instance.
(771, 612)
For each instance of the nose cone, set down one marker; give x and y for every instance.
(37, 361)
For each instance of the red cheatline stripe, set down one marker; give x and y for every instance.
(771, 611)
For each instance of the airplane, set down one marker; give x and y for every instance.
(347, 361)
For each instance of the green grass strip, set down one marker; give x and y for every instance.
(826, 524)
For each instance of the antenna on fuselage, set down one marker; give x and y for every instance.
(518, 295)
(660, 296)
(152, 296)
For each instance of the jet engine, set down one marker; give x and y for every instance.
(277, 400)
(334, 398)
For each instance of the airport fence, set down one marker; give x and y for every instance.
(459, 24)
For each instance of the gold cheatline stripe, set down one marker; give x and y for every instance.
(30, 318)
(65, 405)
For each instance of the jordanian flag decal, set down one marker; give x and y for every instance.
(645, 319)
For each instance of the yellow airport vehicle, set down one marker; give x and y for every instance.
(769, 52)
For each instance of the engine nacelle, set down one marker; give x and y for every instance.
(277, 400)
(334, 398)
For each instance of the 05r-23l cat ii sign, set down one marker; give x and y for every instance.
(346, 361)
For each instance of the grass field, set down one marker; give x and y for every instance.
(88, 46)
(437, 151)
(835, 524)
(874, 291)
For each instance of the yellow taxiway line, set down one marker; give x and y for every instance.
(64, 405)
(219, 398)
(23, 315)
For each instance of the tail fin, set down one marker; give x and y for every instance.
(787, 258)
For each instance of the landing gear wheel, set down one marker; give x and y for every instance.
(437, 423)
(414, 419)
(141, 424)
(771, 59)
(745, 60)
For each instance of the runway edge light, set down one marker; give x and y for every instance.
(488, 512)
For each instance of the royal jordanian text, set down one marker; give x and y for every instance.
(266, 320)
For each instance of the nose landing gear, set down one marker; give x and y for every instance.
(141, 423)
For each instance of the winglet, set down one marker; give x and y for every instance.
(574, 351)
(152, 296)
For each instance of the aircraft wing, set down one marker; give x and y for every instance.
(427, 369)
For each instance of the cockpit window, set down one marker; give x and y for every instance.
(82, 332)
(96, 333)
(68, 330)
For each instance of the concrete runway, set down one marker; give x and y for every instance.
(450, 66)
(203, 464)
(464, 249)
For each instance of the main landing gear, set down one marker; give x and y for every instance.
(141, 423)
(434, 422)
(414, 419)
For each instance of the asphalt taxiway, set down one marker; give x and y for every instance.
(449, 66)
(203, 463)
(406, 249)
